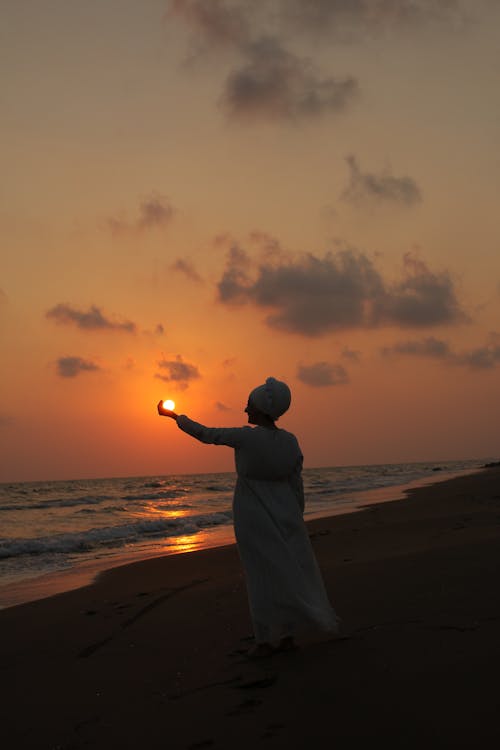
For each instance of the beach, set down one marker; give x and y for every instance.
(152, 654)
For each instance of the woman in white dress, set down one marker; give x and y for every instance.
(285, 587)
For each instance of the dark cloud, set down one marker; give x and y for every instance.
(235, 282)
(70, 367)
(429, 347)
(312, 295)
(178, 372)
(478, 358)
(274, 83)
(382, 187)
(184, 266)
(322, 374)
(91, 320)
(421, 298)
(154, 211)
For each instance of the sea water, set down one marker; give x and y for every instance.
(51, 527)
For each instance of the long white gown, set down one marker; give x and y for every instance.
(285, 587)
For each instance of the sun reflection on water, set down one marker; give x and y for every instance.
(186, 542)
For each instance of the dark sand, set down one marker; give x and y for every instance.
(149, 656)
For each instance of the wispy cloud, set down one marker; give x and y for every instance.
(350, 19)
(71, 367)
(352, 355)
(484, 357)
(221, 24)
(221, 407)
(92, 319)
(213, 22)
(429, 347)
(184, 266)
(312, 295)
(155, 211)
(383, 187)
(322, 374)
(177, 371)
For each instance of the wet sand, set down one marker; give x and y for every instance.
(153, 654)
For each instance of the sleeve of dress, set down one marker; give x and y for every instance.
(231, 436)
(297, 483)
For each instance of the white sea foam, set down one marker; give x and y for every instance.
(111, 535)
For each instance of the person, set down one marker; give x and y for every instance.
(284, 584)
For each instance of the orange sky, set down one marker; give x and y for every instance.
(198, 195)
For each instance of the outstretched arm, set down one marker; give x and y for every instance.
(231, 436)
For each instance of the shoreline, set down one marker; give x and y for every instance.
(152, 653)
(23, 591)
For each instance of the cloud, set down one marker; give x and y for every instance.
(322, 374)
(266, 81)
(221, 407)
(223, 24)
(273, 83)
(178, 372)
(421, 298)
(184, 266)
(70, 367)
(154, 211)
(215, 22)
(429, 347)
(235, 282)
(478, 358)
(351, 354)
(349, 19)
(383, 187)
(91, 320)
(312, 295)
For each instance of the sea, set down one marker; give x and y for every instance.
(58, 535)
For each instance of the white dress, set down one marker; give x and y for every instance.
(285, 587)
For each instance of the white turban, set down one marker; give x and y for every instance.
(273, 398)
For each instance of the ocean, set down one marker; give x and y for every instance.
(59, 530)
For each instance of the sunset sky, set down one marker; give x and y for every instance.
(198, 194)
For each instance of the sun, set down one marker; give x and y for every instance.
(169, 404)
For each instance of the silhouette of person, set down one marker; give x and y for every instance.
(284, 584)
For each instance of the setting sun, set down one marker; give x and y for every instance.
(169, 404)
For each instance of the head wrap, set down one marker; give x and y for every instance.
(273, 398)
